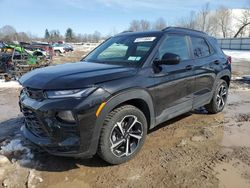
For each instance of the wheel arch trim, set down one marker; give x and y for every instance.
(220, 75)
(116, 100)
(131, 94)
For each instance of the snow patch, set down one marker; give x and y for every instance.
(9, 84)
(241, 78)
(236, 78)
(238, 54)
(33, 179)
(247, 78)
(22, 154)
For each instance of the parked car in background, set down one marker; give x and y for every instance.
(128, 85)
(68, 48)
(58, 49)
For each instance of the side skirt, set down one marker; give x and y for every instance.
(174, 111)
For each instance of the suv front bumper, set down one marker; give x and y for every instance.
(78, 139)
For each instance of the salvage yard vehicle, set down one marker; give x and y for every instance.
(128, 85)
(58, 49)
(15, 60)
(68, 48)
(47, 48)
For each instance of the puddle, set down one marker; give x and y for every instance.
(233, 174)
(237, 114)
(237, 135)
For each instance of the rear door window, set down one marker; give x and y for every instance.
(200, 47)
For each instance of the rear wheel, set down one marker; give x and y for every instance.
(219, 99)
(122, 135)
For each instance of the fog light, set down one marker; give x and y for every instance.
(66, 116)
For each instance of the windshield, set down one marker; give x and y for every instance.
(123, 50)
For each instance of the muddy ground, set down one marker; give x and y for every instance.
(193, 150)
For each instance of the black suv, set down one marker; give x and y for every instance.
(107, 102)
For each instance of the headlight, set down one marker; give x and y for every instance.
(75, 93)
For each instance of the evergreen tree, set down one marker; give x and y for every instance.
(47, 35)
(69, 36)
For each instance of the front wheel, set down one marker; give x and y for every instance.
(122, 135)
(219, 99)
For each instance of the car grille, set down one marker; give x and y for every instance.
(33, 123)
(37, 94)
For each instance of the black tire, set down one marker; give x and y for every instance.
(111, 134)
(57, 53)
(218, 101)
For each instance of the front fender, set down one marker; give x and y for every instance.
(127, 95)
(118, 99)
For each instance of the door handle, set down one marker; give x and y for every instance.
(189, 67)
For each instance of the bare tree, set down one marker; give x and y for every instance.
(145, 25)
(135, 25)
(55, 36)
(8, 33)
(7, 30)
(160, 24)
(139, 25)
(96, 36)
(23, 37)
(79, 38)
(224, 18)
(244, 21)
(203, 14)
(203, 20)
(189, 21)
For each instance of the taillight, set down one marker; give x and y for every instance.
(229, 59)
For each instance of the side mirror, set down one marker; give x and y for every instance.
(168, 59)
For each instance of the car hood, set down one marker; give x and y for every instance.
(74, 75)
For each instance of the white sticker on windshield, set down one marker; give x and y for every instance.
(145, 39)
(134, 58)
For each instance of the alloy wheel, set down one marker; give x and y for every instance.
(221, 96)
(125, 136)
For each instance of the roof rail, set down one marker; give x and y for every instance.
(126, 31)
(183, 28)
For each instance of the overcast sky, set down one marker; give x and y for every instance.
(106, 16)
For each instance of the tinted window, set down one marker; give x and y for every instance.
(125, 50)
(113, 51)
(120, 51)
(216, 46)
(175, 44)
(200, 47)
